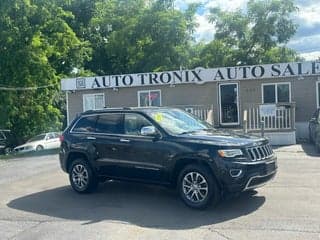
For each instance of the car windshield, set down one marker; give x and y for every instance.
(176, 121)
(37, 138)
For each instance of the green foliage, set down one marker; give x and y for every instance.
(252, 37)
(36, 47)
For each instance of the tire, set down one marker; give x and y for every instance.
(82, 177)
(197, 187)
(39, 148)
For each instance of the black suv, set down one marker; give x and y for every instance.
(163, 146)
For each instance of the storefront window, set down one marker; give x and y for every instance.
(149, 98)
(276, 93)
(93, 101)
(269, 94)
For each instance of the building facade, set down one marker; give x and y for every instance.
(283, 96)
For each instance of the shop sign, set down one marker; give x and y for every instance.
(195, 76)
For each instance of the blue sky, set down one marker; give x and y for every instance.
(306, 41)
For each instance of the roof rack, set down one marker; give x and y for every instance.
(106, 109)
(118, 108)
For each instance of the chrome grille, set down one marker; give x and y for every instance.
(260, 152)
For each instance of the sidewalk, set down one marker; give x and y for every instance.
(306, 148)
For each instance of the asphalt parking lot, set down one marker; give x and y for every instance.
(36, 202)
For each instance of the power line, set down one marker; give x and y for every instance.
(9, 88)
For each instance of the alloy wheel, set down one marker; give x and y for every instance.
(80, 176)
(195, 187)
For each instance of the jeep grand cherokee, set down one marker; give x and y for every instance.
(163, 146)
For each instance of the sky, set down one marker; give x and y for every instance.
(306, 41)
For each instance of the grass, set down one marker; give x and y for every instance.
(29, 154)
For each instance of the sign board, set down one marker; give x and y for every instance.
(268, 110)
(194, 76)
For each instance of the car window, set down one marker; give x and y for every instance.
(177, 121)
(110, 123)
(134, 122)
(85, 124)
(50, 136)
(37, 138)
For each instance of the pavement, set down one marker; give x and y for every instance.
(36, 202)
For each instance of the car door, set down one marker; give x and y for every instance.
(107, 143)
(146, 156)
(52, 141)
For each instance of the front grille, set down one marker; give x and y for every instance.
(260, 152)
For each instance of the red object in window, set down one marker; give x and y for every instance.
(153, 96)
(61, 138)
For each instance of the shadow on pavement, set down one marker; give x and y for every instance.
(44, 152)
(142, 205)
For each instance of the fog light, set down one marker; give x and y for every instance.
(235, 172)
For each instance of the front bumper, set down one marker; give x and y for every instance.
(242, 176)
(24, 149)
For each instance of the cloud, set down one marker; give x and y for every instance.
(311, 55)
(205, 31)
(305, 44)
(228, 5)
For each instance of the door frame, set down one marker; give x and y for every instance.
(238, 104)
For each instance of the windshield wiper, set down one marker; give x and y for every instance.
(193, 131)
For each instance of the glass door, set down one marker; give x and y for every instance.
(229, 103)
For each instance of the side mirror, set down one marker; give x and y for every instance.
(148, 131)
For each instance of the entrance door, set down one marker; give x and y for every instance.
(229, 103)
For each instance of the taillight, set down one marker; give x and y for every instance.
(61, 138)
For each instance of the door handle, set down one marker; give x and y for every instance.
(124, 140)
(91, 138)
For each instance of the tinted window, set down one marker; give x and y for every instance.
(110, 123)
(269, 94)
(133, 124)
(85, 124)
(283, 93)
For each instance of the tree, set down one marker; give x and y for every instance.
(139, 36)
(37, 47)
(255, 35)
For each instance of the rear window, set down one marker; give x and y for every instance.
(85, 124)
(110, 123)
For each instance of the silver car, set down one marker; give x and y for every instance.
(43, 141)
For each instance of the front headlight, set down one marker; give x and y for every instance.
(228, 153)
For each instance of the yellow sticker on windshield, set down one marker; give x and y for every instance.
(158, 117)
